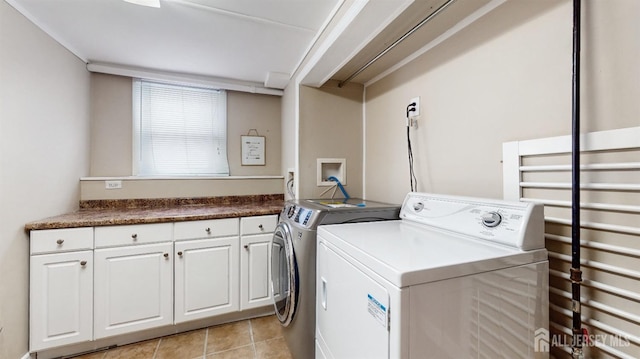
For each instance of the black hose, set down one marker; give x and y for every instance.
(413, 181)
(576, 274)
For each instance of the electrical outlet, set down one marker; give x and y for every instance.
(415, 113)
(112, 184)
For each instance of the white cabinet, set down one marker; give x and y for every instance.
(256, 235)
(61, 287)
(206, 270)
(94, 283)
(133, 284)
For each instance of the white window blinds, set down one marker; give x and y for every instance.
(179, 130)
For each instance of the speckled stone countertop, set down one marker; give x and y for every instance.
(138, 211)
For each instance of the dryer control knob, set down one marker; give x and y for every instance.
(491, 219)
(291, 211)
(418, 206)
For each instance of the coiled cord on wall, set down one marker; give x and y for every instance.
(290, 190)
(412, 176)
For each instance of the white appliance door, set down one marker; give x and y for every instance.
(351, 310)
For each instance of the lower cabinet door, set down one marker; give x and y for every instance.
(133, 288)
(61, 299)
(255, 271)
(206, 275)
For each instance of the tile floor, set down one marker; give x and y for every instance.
(257, 338)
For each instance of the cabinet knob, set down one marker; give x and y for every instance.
(134, 236)
(83, 263)
(180, 253)
(60, 241)
(166, 255)
(208, 230)
(246, 246)
(261, 227)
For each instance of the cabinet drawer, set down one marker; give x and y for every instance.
(206, 229)
(258, 224)
(61, 240)
(133, 234)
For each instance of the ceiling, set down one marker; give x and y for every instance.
(254, 44)
(242, 40)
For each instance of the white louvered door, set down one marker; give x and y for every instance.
(540, 171)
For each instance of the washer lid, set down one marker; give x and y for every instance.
(405, 253)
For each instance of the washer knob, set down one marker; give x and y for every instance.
(291, 211)
(418, 206)
(491, 219)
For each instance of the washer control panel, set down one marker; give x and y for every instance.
(505, 222)
(300, 215)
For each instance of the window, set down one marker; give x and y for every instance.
(179, 130)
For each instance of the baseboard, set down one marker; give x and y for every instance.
(26, 356)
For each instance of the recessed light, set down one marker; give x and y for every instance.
(150, 3)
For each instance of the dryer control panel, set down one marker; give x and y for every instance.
(516, 224)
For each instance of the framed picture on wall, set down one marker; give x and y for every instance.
(253, 153)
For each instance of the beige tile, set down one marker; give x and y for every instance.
(182, 346)
(245, 352)
(265, 328)
(272, 349)
(228, 336)
(228, 341)
(142, 350)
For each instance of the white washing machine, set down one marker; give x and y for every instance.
(455, 277)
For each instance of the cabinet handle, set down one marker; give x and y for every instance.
(208, 230)
(83, 263)
(180, 253)
(246, 246)
(166, 255)
(261, 228)
(60, 241)
(134, 236)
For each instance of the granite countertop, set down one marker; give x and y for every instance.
(139, 211)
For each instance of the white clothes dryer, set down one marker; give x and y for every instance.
(455, 277)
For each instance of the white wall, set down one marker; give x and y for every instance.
(289, 132)
(44, 146)
(330, 126)
(506, 77)
(111, 130)
(246, 111)
(111, 125)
